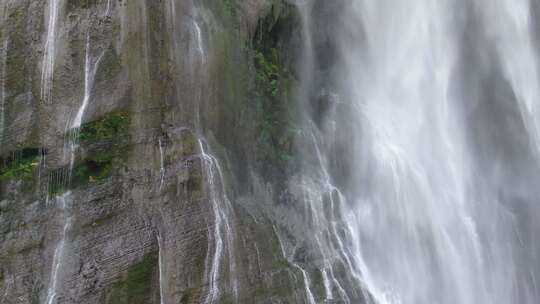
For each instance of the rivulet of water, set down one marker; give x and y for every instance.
(49, 53)
(62, 203)
(221, 237)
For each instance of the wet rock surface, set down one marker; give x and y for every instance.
(161, 195)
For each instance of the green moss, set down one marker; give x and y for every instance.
(274, 83)
(19, 166)
(230, 7)
(94, 169)
(112, 126)
(135, 287)
(106, 141)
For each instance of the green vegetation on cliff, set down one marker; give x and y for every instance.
(19, 166)
(112, 126)
(274, 83)
(106, 141)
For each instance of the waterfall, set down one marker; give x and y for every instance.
(59, 251)
(510, 23)
(324, 203)
(222, 235)
(443, 97)
(49, 52)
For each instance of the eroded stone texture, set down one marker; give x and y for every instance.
(138, 222)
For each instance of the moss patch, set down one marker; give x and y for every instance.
(135, 287)
(274, 82)
(112, 126)
(106, 142)
(20, 165)
(92, 170)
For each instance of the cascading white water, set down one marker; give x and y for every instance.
(307, 283)
(194, 60)
(509, 22)
(440, 192)
(222, 236)
(305, 278)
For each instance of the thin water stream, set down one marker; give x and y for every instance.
(62, 178)
(47, 66)
(221, 237)
(3, 76)
(62, 203)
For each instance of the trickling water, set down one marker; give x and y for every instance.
(326, 283)
(161, 269)
(305, 278)
(307, 284)
(73, 128)
(47, 66)
(223, 212)
(3, 89)
(108, 9)
(59, 251)
(161, 163)
(90, 70)
(444, 98)
(198, 35)
(71, 143)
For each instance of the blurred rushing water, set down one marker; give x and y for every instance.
(437, 123)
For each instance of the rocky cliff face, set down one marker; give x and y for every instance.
(150, 154)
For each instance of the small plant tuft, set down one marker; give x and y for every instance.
(112, 126)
